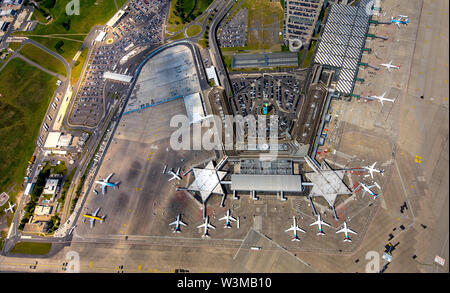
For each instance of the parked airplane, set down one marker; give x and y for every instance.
(319, 222)
(206, 225)
(367, 189)
(398, 22)
(11, 208)
(295, 228)
(389, 66)
(92, 217)
(228, 217)
(178, 222)
(346, 230)
(105, 182)
(382, 98)
(372, 169)
(174, 175)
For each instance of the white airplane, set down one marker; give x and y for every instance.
(92, 217)
(382, 98)
(346, 230)
(367, 189)
(372, 169)
(178, 222)
(402, 20)
(174, 175)
(206, 225)
(389, 66)
(11, 208)
(295, 228)
(105, 182)
(319, 222)
(227, 218)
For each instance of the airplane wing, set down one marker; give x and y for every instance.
(211, 226)
(371, 173)
(325, 224)
(388, 68)
(173, 223)
(290, 229)
(223, 218)
(201, 226)
(351, 231)
(183, 223)
(301, 230)
(109, 177)
(398, 24)
(92, 222)
(341, 231)
(233, 219)
(315, 223)
(172, 178)
(95, 213)
(103, 189)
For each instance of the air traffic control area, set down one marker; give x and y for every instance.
(342, 42)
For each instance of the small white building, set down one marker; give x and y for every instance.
(118, 77)
(212, 74)
(42, 210)
(51, 186)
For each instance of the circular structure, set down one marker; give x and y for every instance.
(295, 45)
(109, 41)
(193, 30)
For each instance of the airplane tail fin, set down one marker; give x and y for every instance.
(320, 233)
(227, 226)
(347, 240)
(295, 239)
(206, 235)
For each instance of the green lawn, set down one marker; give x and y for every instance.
(265, 21)
(191, 9)
(194, 30)
(31, 248)
(14, 46)
(78, 66)
(309, 54)
(43, 58)
(92, 12)
(25, 95)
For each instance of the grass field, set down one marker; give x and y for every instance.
(191, 10)
(92, 12)
(43, 58)
(25, 94)
(309, 54)
(193, 30)
(265, 22)
(31, 248)
(78, 66)
(14, 46)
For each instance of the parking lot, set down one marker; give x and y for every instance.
(282, 91)
(140, 26)
(234, 32)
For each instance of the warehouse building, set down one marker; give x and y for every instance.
(265, 60)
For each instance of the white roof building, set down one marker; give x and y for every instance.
(50, 186)
(194, 108)
(112, 22)
(58, 140)
(43, 210)
(117, 77)
(207, 181)
(100, 37)
(212, 74)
